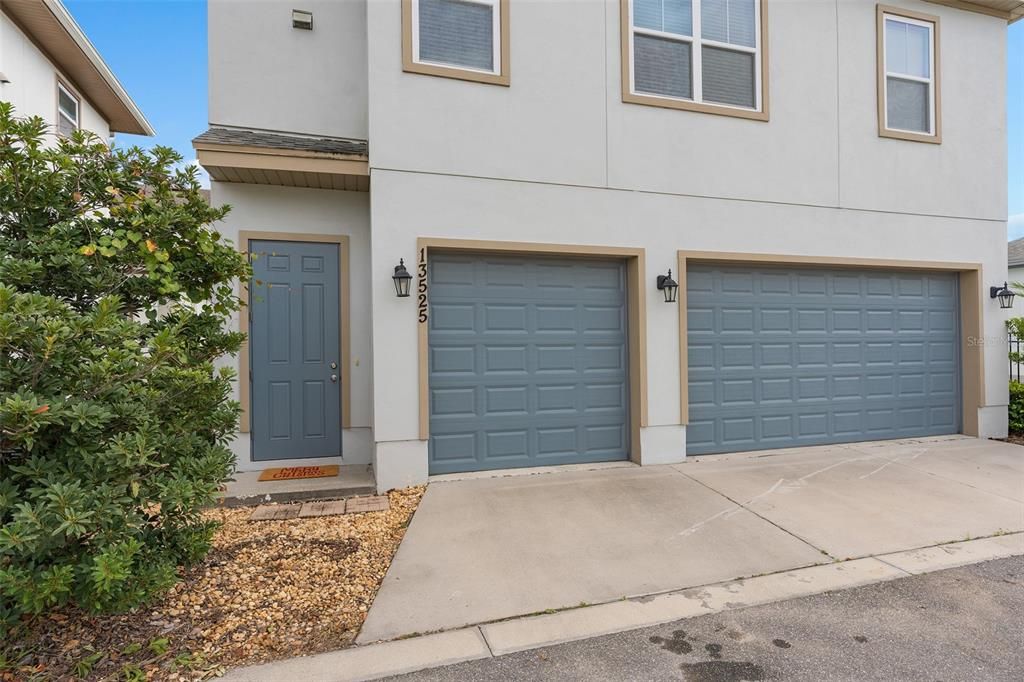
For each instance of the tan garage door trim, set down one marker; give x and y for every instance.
(972, 355)
(247, 236)
(637, 312)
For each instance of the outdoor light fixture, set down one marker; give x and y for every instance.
(402, 279)
(668, 286)
(302, 19)
(1004, 295)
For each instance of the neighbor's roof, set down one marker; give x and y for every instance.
(49, 25)
(301, 143)
(1015, 253)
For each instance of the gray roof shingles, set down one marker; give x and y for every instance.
(1015, 252)
(253, 138)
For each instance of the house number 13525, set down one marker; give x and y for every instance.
(421, 286)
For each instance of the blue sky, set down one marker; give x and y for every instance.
(157, 48)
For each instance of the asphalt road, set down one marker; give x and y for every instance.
(960, 624)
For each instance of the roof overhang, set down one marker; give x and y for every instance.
(267, 159)
(54, 31)
(1008, 10)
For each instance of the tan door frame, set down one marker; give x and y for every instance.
(247, 236)
(972, 355)
(636, 311)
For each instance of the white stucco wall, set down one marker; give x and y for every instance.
(562, 120)
(33, 86)
(266, 74)
(458, 207)
(293, 209)
(557, 157)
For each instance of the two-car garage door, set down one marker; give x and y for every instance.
(786, 357)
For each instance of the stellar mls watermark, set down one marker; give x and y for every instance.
(982, 341)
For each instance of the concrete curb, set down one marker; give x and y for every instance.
(374, 661)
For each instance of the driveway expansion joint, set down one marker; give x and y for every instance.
(744, 506)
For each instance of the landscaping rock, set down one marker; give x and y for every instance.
(275, 589)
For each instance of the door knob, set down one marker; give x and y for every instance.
(334, 378)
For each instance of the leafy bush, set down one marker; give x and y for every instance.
(115, 294)
(1016, 407)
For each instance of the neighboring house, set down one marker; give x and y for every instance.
(826, 180)
(1015, 271)
(48, 68)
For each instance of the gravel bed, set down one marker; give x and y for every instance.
(267, 590)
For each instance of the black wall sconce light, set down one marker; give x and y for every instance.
(1004, 295)
(668, 286)
(402, 279)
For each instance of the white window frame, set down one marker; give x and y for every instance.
(931, 27)
(495, 6)
(76, 122)
(696, 59)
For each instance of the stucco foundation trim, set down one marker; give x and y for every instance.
(344, 319)
(636, 312)
(972, 352)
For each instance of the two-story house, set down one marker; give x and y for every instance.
(48, 68)
(628, 229)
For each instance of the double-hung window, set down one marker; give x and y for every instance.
(465, 39)
(908, 79)
(67, 111)
(695, 54)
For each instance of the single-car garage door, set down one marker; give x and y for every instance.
(785, 357)
(528, 361)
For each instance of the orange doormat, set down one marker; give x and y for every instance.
(291, 473)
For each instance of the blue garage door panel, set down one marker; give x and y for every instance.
(781, 357)
(528, 362)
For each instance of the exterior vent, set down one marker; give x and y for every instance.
(302, 19)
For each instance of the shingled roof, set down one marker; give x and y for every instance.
(1015, 252)
(253, 138)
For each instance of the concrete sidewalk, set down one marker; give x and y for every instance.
(502, 638)
(484, 549)
(654, 544)
(957, 625)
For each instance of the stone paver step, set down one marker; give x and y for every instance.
(353, 505)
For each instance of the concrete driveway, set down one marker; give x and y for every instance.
(483, 549)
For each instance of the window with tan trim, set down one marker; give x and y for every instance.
(67, 110)
(703, 55)
(908, 75)
(464, 39)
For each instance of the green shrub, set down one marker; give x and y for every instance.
(115, 294)
(1016, 407)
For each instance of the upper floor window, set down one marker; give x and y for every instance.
(465, 39)
(67, 111)
(705, 55)
(908, 75)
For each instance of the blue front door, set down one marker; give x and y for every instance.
(294, 350)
